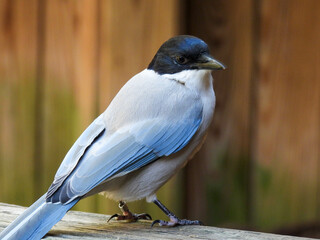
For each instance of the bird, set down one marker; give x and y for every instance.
(150, 130)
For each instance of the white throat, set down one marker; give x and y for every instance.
(199, 80)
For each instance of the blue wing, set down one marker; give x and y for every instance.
(96, 128)
(99, 155)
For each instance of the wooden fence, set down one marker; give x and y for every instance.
(61, 63)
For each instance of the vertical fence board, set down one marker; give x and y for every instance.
(131, 32)
(18, 27)
(69, 80)
(217, 179)
(288, 113)
(85, 57)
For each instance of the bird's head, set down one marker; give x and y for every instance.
(183, 53)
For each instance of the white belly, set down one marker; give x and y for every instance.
(147, 180)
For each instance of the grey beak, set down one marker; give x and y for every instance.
(208, 62)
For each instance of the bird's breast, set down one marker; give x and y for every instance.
(157, 95)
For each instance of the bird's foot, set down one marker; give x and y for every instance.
(174, 221)
(129, 216)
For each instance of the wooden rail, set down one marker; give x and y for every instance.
(81, 225)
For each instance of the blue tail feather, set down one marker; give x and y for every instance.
(36, 221)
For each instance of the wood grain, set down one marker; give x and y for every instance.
(18, 29)
(80, 225)
(218, 176)
(69, 81)
(288, 113)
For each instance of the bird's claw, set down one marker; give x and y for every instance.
(144, 216)
(116, 215)
(131, 217)
(174, 221)
(155, 222)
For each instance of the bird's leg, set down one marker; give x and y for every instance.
(127, 215)
(174, 221)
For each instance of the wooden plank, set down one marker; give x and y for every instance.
(218, 189)
(69, 81)
(130, 34)
(80, 225)
(18, 38)
(288, 113)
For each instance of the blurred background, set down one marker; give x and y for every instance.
(62, 62)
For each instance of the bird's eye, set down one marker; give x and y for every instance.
(181, 60)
